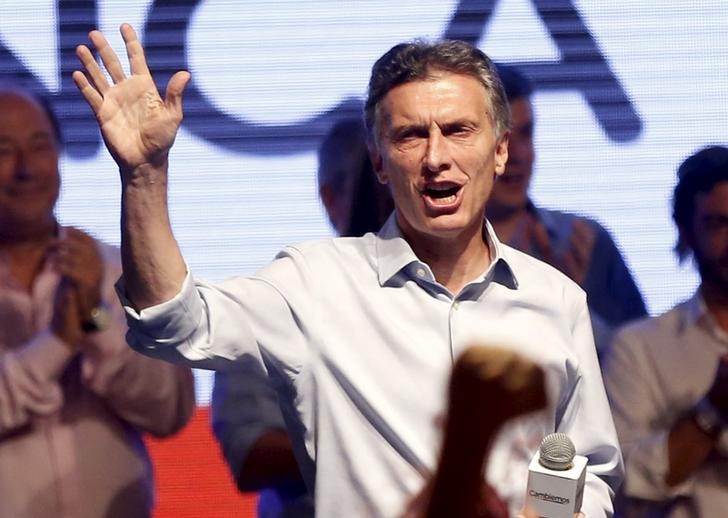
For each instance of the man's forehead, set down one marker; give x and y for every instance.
(17, 106)
(715, 199)
(456, 95)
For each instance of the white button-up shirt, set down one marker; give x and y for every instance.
(359, 339)
(657, 370)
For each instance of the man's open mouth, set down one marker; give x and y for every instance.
(442, 193)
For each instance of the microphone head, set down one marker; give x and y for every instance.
(556, 452)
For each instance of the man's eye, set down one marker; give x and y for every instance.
(458, 131)
(407, 136)
(716, 223)
(41, 146)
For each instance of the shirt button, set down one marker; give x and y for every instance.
(421, 272)
(455, 305)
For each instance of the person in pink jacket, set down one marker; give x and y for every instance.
(74, 399)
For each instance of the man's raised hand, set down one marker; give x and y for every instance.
(138, 127)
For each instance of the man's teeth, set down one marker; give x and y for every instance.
(442, 195)
(446, 199)
(442, 192)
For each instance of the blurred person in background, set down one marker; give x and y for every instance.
(578, 246)
(75, 400)
(667, 376)
(246, 418)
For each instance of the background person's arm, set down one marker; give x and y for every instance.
(249, 427)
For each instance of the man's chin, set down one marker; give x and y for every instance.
(450, 225)
(716, 275)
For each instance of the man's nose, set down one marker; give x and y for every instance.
(437, 156)
(21, 163)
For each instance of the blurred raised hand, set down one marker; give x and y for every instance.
(138, 127)
(489, 386)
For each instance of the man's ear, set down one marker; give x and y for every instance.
(685, 243)
(501, 154)
(328, 198)
(375, 157)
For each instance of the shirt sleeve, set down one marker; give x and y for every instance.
(154, 396)
(28, 380)
(612, 291)
(244, 407)
(628, 378)
(585, 416)
(211, 326)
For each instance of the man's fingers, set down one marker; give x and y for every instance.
(582, 239)
(175, 88)
(93, 71)
(583, 231)
(92, 96)
(134, 51)
(515, 383)
(108, 56)
(539, 238)
(77, 257)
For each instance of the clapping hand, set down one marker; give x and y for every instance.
(575, 259)
(78, 261)
(718, 393)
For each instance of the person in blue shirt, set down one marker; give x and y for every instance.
(246, 417)
(578, 246)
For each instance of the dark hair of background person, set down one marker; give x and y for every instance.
(515, 84)
(345, 168)
(699, 173)
(371, 203)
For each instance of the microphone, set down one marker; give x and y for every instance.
(556, 478)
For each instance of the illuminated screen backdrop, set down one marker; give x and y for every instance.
(623, 92)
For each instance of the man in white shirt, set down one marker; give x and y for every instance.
(358, 335)
(667, 376)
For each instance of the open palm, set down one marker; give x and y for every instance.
(138, 127)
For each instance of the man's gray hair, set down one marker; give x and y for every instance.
(421, 60)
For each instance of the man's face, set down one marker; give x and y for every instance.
(29, 179)
(709, 236)
(437, 150)
(511, 190)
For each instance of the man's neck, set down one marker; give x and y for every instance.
(457, 261)
(716, 300)
(25, 255)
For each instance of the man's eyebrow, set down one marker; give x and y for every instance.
(407, 128)
(715, 216)
(460, 123)
(41, 134)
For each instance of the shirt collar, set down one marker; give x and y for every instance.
(693, 310)
(695, 313)
(394, 254)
